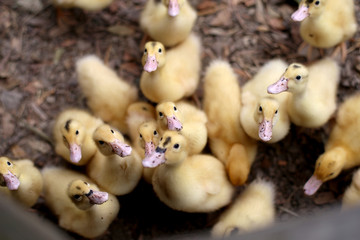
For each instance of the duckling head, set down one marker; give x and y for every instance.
(153, 56)
(168, 116)
(309, 8)
(9, 175)
(293, 80)
(173, 6)
(171, 150)
(110, 141)
(143, 109)
(149, 136)
(73, 133)
(83, 196)
(328, 166)
(266, 114)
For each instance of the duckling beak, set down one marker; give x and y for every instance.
(174, 8)
(265, 130)
(149, 148)
(174, 123)
(75, 153)
(97, 197)
(312, 185)
(151, 64)
(155, 159)
(12, 182)
(279, 86)
(300, 14)
(120, 148)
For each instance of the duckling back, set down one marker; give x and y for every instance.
(351, 196)
(89, 5)
(107, 95)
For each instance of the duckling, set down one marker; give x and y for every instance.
(171, 75)
(77, 202)
(351, 196)
(168, 22)
(342, 149)
(252, 210)
(72, 134)
(108, 96)
(116, 168)
(196, 183)
(227, 139)
(89, 5)
(313, 91)
(326, 23)
(264, 116)
(20, 180)
(185, 118)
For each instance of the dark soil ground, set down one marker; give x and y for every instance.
(37, 81)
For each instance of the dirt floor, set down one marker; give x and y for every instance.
(37, 81)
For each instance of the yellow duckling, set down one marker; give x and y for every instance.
(264, 116)
(115, 167)
(72, 133)
(108, 96)
(185, 118)
(171, 75)
(21, 180)
(89, 5)
(252, 210)
(227, 139)
(313, 91)
(342, 150)
(196, 183)
(169, 21)
(78, 203)
(351, 196)
(326, 23)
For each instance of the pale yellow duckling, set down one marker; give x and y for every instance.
(77, 202)
(89, 5)
(72, 134)
(20, 180)
(185, 118)
(227, 139)
(115, 167)
(168, 21)
(171, 75)
(326, 23)
(108, 96)
(264, 116)
(313, 91)
(351, 196)
(252, 210)
(196, 183)
(342, 151)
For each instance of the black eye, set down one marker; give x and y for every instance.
(76, 196)
(175, 109)
(9, 163)
(317, 3)
(112, 131)
(145, 51)
(155, 132)
(160, 50)
(331, 174)
(276, 111)
(298, 77)
(77, 132)
(140, 136)
(160, 114)
(160, 138)
(176, 145)
(260, 109)
(101, 142)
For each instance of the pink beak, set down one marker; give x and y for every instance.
(120, 148)
(149, 148)
(174, 123)
(75, 153)
(12, 182)
(174, 8)
(150, 64)
(265, 130)
(312, 185)
(279, 86)
(300, 14)
(97, 197)
(155, 159)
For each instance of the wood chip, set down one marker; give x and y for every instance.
(324, 198)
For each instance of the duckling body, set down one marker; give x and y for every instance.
(21, 180)
(264, 116)
(72, 134)
(351, 196)
(108, 96)
(89, 5)
(196, 183)
(185, 118)
(169, 22)
(115, 167)
(171, 75)
(342, 149)
(253, 209)
(88, 213)
(227, 139)
(313, 91)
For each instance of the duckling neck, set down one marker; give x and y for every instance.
(344, 156)
(85, 206)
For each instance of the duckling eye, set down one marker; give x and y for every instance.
(140, 136)
(160, 138)
(112, 131)
(145, 51)
(160, 114)
(77, 132)
(331, 174)
(9, 163)
(77, 197)
(276, 111)
(86, 183)
(317, 3)
(160, 50)
(155, 132)
(260, 109)
(175, 109)
(176, 145)
(101, 142)
(298, 77)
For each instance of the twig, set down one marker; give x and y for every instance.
(289, 211)
(37, 131)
